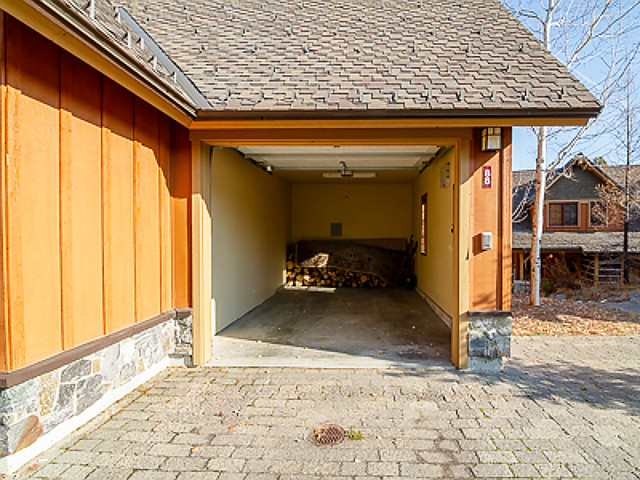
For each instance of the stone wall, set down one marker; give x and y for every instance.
(489, 339)
(33, 408)
(521, 287)
(184, 338)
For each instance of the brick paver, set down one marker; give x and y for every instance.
(566, 407)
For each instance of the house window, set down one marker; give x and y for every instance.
(423, 225)
(563, 214)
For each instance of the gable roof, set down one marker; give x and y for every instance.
(578, 161)
(523, 181)
(523, 193)
(411, 57)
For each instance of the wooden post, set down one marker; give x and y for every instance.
(461, 206)
(201, 250)
(5, 353)
(521, 265)
(596, 269)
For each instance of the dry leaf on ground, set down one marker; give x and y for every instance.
(570, 317)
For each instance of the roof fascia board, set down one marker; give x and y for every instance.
(77, 36)
(589, 166)
(185, 82)
(225, 121)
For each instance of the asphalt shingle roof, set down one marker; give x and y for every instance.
(105, 20)
(431, 57)
(585, 242)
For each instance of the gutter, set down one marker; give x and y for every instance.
(95, 39)
(365, 114)
(180, 78)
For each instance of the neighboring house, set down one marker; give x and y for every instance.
(578, 228)
(158, 160)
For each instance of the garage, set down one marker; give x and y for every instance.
(356, 209)
(263, 185)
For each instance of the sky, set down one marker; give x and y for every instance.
(603, 139)
(524, 149)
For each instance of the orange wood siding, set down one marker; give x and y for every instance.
(146, 210)
(490, 270)
(33, 191)
(181, 214)
(164, 194)
(117, 206)
(80, 188)
(95, 212)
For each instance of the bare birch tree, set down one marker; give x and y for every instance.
(623, 198)
(586, 35)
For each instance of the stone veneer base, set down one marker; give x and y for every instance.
(41, 411)
(489, 340)
(11, 463)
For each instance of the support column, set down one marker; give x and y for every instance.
(461, 214)
(201, 250)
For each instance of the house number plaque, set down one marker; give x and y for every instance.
(486, 177)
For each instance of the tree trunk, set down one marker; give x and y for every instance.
(625, 241)
(538, 216)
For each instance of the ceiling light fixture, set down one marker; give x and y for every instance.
(345, 172)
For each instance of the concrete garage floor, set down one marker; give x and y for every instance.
(341, 328)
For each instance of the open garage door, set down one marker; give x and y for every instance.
(361, 239)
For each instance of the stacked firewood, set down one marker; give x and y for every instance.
(299, 276)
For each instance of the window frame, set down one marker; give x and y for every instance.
(423, 225)
(562, 206)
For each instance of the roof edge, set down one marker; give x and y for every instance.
(82, 39)
(181, 78)
(471, 117)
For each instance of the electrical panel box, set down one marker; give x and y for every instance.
(487, 240)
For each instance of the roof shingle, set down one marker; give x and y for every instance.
(468, 56)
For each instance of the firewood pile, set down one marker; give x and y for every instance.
(300, 276)
(346, 263)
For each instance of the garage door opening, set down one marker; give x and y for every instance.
(379, 217)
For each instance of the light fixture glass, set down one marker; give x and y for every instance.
(491, 139)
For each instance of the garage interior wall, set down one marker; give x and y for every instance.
(250, 229)
(89, 204)
(434, 271)
(365, 211)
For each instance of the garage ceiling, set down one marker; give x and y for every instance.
(329, 157)
(306, 164)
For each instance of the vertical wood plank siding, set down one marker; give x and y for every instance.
(4, 283)
(490, 270)
(95, 203)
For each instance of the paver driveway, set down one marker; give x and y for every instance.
(566, 407)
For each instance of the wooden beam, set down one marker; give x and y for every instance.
(201, 251)
(5, 344)
(462, 245)
(436, 122)
(345, 134)
(505, 202)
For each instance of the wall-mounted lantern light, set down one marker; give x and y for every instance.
(491, 139)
